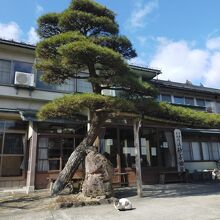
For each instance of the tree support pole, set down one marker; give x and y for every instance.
(137, 125)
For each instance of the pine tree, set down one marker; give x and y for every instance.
(85, 37)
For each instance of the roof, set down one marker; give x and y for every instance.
(200, 131)
(31, 115)
(185, 86)
(17, 44)
(145, 72)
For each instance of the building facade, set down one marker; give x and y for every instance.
(33, 152)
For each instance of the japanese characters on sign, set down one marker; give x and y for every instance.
(179, 150)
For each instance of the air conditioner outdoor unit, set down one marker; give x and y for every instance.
(108, 92)
(24, 79)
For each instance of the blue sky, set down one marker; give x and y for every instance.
(180, 37)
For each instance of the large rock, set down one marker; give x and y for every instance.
(98, 178)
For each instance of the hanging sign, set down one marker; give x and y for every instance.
(179, 150)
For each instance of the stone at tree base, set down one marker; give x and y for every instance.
(98, 178)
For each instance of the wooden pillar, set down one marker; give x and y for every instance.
(32, 136)
(118, 159)
(137, 124)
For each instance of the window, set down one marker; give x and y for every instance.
(215, 151)
(178, 100)
(189, 101)
(54, 151)
(149, 142)
(200, 102)
(196, 151)
(5, 71)
(12, 148)
(108, 144)
(187, 151)
(127, 146)
(165, 98)
(201, 151)
(205, 151)
(67, 86)
(20, 66)
(8, 69)
(84, 86)
(56, 143)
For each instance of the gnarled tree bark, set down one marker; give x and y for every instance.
(78, 154)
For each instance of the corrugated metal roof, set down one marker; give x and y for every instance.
(185, 86)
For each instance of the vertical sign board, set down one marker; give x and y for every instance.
(179, 150)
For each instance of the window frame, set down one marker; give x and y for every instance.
(164, 94)
(210, 151)
(24, 154)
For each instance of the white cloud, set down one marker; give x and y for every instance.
(180, 61)
(39, 9)
(140, 11)
(212, 76)
(139, 61)
(10, 31)
(32, 36)
(213, 43)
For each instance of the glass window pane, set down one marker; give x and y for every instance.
(215, 152)
(84, 86)
(165, 98)
(205, 151)
(5, 71)
(149, 140)
(1, 139)
(200, 102)
(178, 100)
(42, 165)
(186, 151)
(127, 146)
(189, 101)
(13, 144)
(2, 124)
(12, 166)
(196, 151)
(108, 144)
(22, 67)
(54, 164)
(67, 86)
(54, 147)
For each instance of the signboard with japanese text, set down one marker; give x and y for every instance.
(179, 150)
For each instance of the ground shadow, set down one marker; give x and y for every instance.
(21, 201)
(171, 190)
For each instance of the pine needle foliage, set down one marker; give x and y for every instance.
(85, 36)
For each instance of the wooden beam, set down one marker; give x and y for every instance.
(30, 184)
(137, 125)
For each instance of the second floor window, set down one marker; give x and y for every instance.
(189, 101)
(179, 100)
(8, 69)
(166, 98)
(200, 102)
(5, 71)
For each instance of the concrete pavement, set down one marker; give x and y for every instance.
(167, 202)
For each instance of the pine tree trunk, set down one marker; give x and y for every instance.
(78, 154)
